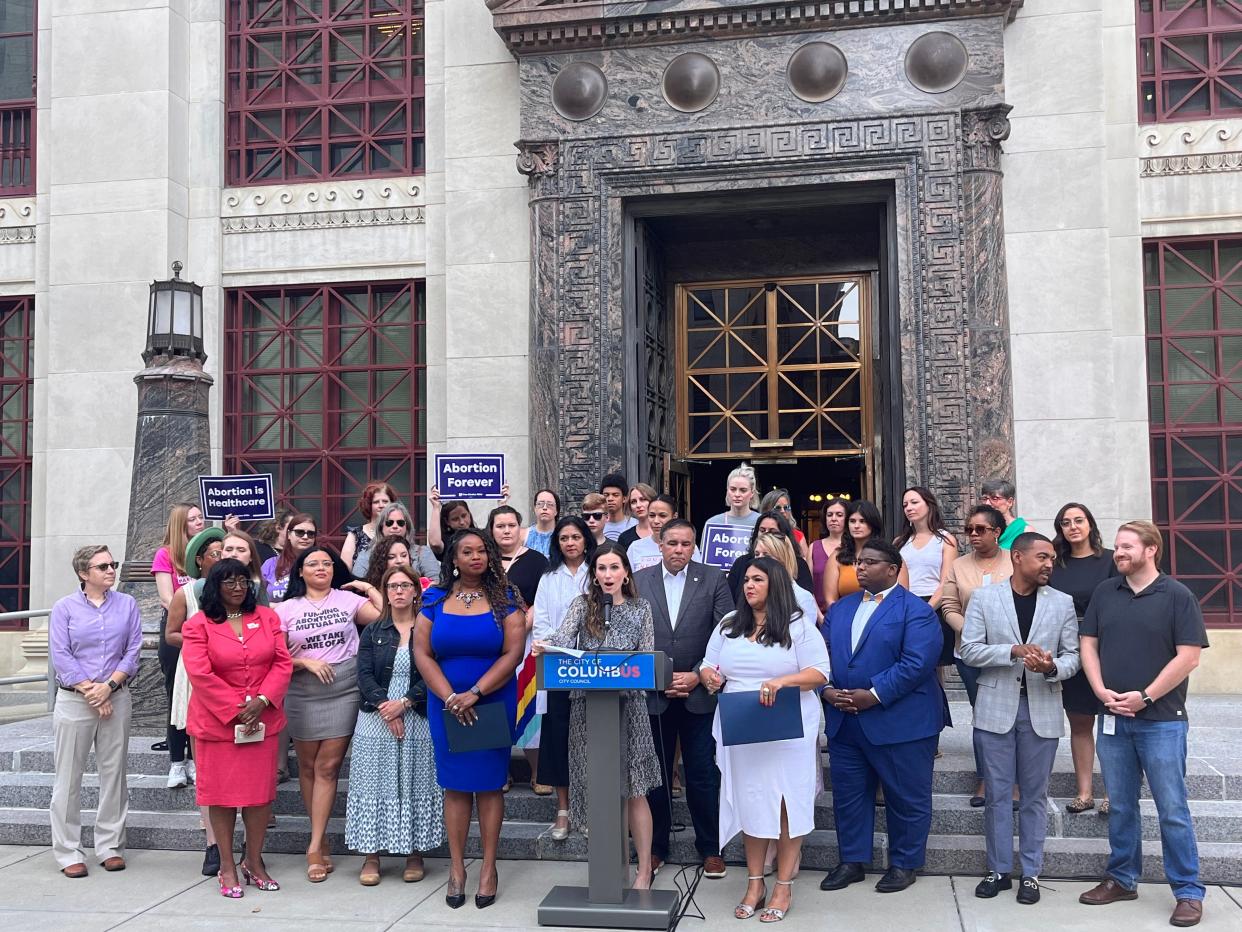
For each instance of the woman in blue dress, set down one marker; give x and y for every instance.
(468, 641)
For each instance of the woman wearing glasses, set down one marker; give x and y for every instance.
(547, 513)
(595, 516)
(778, 500)
(985, 565)
(239, 669)
(320, 618)
(375, 497)
(396, 523)
(94, 637)
(394, 804)
(770, 522)
(298, 539)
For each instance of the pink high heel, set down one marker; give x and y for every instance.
(251, 878)
(231, 893)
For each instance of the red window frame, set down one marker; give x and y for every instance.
(324, 89)
(298, 360)
(1189, 59)
(17, 123)
(1193, 306)
(16, 387)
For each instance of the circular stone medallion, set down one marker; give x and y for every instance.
(936, 62)
(691, 82)
(817, 72)
(579, 91)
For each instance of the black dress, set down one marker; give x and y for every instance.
(525, 572)
(1078, 579)
(805, 579)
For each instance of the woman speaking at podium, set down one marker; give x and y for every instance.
(767, 789)
(611, 616)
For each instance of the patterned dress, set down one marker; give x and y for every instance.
(394, 804)
(630, 628)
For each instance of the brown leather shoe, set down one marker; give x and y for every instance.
(1107, 892)
(115, 863)
(1187, 913)
(74, 870)
(713, 868)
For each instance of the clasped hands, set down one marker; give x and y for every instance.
(1125, 704)
(851, 701)
(248, 714)
(1034, 658)
(461, 705)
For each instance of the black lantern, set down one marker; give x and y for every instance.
(175, 319)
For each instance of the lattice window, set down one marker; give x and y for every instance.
(16, 343)
(1188, 59)
(1194, 374)
(325, 389)
(321, 89)
(17, 103)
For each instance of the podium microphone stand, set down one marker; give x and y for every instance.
(606, 902)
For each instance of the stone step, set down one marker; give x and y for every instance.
(1077, 858)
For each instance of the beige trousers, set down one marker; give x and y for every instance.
(77, 728)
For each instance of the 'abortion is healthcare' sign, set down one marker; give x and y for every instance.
(470, 475)
(248, 497)
(723, 544)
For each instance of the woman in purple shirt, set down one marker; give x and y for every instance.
(94, 637)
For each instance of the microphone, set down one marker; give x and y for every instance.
(605, 601)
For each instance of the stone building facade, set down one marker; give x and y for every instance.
(985, 173)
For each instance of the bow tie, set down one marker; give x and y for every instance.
(868, 597)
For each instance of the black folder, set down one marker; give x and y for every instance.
(493, 729)
(744, 720)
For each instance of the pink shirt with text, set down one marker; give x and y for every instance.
(321, 630)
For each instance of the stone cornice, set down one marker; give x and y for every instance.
(1192, 148)
(17, 217)
(535, 26)
(322, 205)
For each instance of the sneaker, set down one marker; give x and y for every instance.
(993, 884)
(190, 770)
(177, 776)
(1028, 893)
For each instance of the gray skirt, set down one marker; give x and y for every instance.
(317, 710)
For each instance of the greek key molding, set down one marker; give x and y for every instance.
(323, 220)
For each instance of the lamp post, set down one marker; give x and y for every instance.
(172, 448)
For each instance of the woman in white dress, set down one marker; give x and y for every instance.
(767, 790)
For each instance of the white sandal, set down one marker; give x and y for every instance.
(772, 914)
(560, 834)
(744, 910)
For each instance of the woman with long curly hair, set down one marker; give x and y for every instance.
(468, 641)
(628, 626)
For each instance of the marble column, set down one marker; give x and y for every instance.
(990, 386)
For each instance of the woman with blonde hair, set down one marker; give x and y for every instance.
(781, 549)
(742, 499)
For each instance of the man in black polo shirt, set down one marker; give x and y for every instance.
(1140, 639)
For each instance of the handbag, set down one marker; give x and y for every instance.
(240, 736)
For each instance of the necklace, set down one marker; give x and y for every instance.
(988, 569)
(318, 606)
(232, 616)
(468, 598)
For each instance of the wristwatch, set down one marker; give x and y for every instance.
(113, 685)
(477, 692)
(1148, 701)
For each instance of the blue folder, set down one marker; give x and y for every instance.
(744, 720)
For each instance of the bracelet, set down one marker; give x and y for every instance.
(451, 697)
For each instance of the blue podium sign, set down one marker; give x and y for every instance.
(470, 475)
(600, 671)
(723, 544)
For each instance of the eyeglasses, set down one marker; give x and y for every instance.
(995, 498)
(105, 566)
(299, 532)
(318, 565)
(1070, 522)
(237, 582)
(973, 529)
(782, 508)
(214, 554)
(394, 523)
(399, 586)
(545, 504)
(593, 515)
(867, 561)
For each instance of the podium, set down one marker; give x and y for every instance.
(606, 902)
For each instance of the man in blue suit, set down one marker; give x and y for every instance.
(885, 709)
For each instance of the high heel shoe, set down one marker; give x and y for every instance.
(252, 878)
(455, 900)
(231, 893)
(484, 900)
(745, 910)
(772, 914)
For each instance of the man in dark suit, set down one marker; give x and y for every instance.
(885, 711)
(687, 600)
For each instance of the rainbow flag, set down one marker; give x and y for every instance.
(527, 723)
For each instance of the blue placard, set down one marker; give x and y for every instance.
(469, 475)
(599, 671)
(248, 497)
(723, 544)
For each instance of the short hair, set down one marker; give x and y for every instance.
(614, 480)
(1028, 539)
(880, 545)
(1148, 534)
(210, 601)
(82, 559)
(995, 518)
(676, 523)
(1002, 487)
(368, 493)
(592, 501)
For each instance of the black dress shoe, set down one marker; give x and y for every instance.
(1028, 893)
(842, 876)
(484, 900)
(993, 884)
(977, 802)
(211, 861)
(454, 900)
(894, 880)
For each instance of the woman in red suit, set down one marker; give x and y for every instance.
(239, 668)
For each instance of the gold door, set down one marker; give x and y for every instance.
(775, 369)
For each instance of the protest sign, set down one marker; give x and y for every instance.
(469, 475)
(248, 497)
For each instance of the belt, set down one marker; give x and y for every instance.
(70, 689)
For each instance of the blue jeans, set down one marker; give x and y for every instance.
(1157, 749)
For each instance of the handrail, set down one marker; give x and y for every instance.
(49, 677)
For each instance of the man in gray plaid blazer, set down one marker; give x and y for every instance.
(1024, 638)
